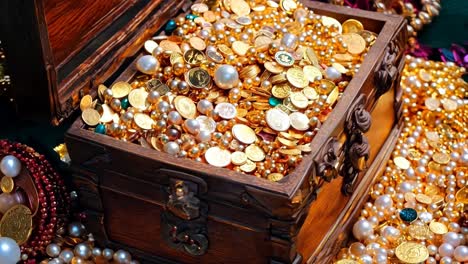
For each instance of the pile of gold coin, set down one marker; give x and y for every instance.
(241, 85)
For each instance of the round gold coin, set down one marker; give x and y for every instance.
(86, 102)
(185, 106)
(299, 121)
(462, 195)
(352, 26)
(7, 184)
(310, 93)
(225, 50)
(419, 231)
(347, 261)
(331, 22)
(273, 67)
(137, 98)
(432, 103)
(150, 45)
(292, 152)
(422, 198)
(214, 56)
(288, 6)
(198, 78)
(107, 114)
(249, 166)
(339, 67)
(281, 91)
(356, 44)
(277, 119)
(244, 133)
(218, 157)
(412, 253)
(284, 58)
(238, 158)
(402, 163)
(312, 73)
(262, 41)
(240, 48)
(255, 153)
(240, 7)
(438, 228)
(199, 8)
(226, 110)
(143, 121)
(274, 177)
(449, 105)
(299, 100)
(90, 116)
(16, 223)
(441, 158)
(168, 45)
(176, 58)
(197, 43)
(194, 56)
(206, 123)
(297, 78)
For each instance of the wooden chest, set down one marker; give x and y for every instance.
(171, 210)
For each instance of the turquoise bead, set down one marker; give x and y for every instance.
(273, 101)
(124, 103)
(170, 26)
(100, 129)
(408, 215)
(191, 17)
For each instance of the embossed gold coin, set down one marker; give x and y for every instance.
(277, 119)
(198, 78)
(244, 133)
(206, 123)
(244, 20)
(199, 8)
(352, 26)
(299, 100)
(262, 41)
(249, 166)
(288, 6)
(296, 77)
(137, 98)
(121, 89)
(462, 195)
(107, 114)
(7, 184)
(273, 67)
(194, 56)
(284, 58)
(240, 47)
(356, 44)
(225, 50)
(238, 158)
(86, 102)
(255, 153)
(274, 177)
(197, 43)
(214, 56)
(185, 106)
(419, 231)
(240, 7)
(16, 223)
(218, 157)
(90, 116)
(412, 253)
(226, 110)
(311, 56)
(312, 73)
(299, 121)
(310, 93)
(438, 228)
(168, 45)
(441, 158)
(402, 163)
(143, 121)
(281, 91)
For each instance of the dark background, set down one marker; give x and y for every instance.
(451, 26)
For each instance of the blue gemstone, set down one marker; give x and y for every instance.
(408, 215)
(100, 129)
(124, 103)
(273, 101)
(448, 54)
(191, 16)
(170, 26)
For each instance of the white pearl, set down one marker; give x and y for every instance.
(384, 202)
(289, 40)
(226, 77)
(366, 259)
(426, 217)
(406, 186)
(446, 260)
(83, 251)
(332, 73)
(174, 118)
(10, 166)
(9, 251)
(53, 250)
(451, 238)
(431, 260)
(461, 253)
(204, 106)
(55, 261)
(97, 251)
(391, 233)
(362, 229)
(76, 229)
(163, 106)
(66, 255)
(380, 259)
(122, 256)
(446, 250)
(171, 148)
(357, 249)
(108, 253)
(192, 126)
(147, 64)
(432, 249)
(204, 136)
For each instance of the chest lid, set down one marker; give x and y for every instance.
(58, 49)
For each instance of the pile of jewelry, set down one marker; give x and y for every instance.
(244, 85)
(418, 208)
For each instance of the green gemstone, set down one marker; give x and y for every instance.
(273, 101)
(191, 16)
(100, 129)
(124, 103)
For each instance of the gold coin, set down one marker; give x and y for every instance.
(311, 56)
(462, 195)
(292, 152)
(238, 158)
(16, 224)
(297, 78)
(150, 45)
(340, 67)
(7, 184)
(326, 86)
(279, 78)
(107, 114)
(277, 119)
(352, 26)
(176, 58)
(288, 6)
(343, 57)
(240, 48)
(255, 153)
(422, 198)
(218, 157)
(333, 96)
(402, 163)
(419, 231)
(411, 252)
(143, 121)
(244, 20)
(287, 142)
(249, 166)
(227, 5)
(262, 41)
(168, 45)
(347, 261)
(206, 123)
(410, 197)
(273, 67)
(274, 177)
(209, 16)
(414, 154)
(198, 78)
(137, 98)
(101, 89)
(299, 100)
(432, 103)
(284, 58)
(331, 22)
(441, 158)
(214, 56)
(299, 121)
(431, 190)
(432, 136)
(244, 133)
(121, 89)
(310, 93)
(225, 50)
(438, 228)
(449, 105)
(199, 8)
(194, 56)
(356, 44)
(86, 102)
(197, 43)
(281, 91)
(185, 106)
(90, 116)
(240, 7)
(312, 73)
(304, 148)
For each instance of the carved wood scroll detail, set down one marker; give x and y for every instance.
(328, 160)
(356, 149)
(387, 73)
